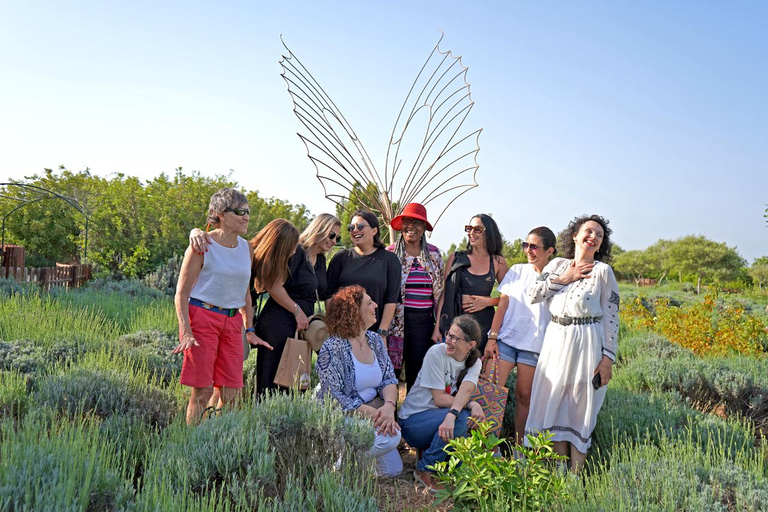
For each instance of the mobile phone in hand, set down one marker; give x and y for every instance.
(597, 381)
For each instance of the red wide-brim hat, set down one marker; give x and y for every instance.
(414, 211)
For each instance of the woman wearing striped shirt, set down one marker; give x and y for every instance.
(421, 285)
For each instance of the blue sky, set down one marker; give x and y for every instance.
(653, 114)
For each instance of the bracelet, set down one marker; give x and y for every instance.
(250, 329)
(296, 309)
(468, 406)
(391, 402)
(493, 335)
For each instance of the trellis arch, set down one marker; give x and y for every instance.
(42, 194)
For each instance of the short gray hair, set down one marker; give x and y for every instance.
(224, 199)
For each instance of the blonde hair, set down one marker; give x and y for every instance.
(318, 230)
(272, 248)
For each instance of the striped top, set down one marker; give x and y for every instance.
(418, 288)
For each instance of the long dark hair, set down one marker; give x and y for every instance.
(494, 242)
(372, 221)
(472, 332)
(568, 247)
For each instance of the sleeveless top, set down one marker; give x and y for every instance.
(478, 285)
(223, 280)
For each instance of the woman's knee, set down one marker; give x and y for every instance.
(523, 396)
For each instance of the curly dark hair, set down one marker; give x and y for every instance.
(342, 312)
(568, 247)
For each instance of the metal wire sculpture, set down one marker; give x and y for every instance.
(427, 160)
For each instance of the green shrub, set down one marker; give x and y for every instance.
(60, 466)
(166, 276)
(673, 473)
(29, 358)
(106, 392)
(153, 349)
(477, 480)
(9, 287)
(289, 452)
(124, 287)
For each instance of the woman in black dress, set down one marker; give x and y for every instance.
(471, 276)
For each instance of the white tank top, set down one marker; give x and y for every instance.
(223, 280)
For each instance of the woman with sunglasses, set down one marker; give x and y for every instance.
(212, 288)
(294, 289)
(369, 265)
(518, 327)
(471, 276)
(421, 285)
(580, 342)
(437, 408)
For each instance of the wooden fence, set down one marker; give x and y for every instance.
(72, 276)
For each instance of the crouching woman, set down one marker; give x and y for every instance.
(437, 408)
(355, 370)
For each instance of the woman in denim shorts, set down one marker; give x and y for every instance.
(517, 330)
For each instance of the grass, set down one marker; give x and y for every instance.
(91, 417)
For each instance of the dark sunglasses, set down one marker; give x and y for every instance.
(333, 236)
(359, 226)
(476, 229)
(240, 211)
(533, 247)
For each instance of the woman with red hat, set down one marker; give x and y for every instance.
(421, 285)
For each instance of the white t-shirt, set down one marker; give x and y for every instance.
(367, 378)
(439, 371)
(524, 323)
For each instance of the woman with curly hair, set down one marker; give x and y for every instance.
(355, 370)
(580, 342)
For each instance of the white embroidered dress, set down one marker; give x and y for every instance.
(563, 400)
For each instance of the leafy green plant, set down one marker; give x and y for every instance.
(475, 479)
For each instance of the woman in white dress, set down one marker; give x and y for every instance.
(580, 343)
(518, 327)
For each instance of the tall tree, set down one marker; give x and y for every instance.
(704, 258)
(759, 271)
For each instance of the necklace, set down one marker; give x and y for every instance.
(359, 341)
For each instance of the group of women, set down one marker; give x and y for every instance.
(399, 310)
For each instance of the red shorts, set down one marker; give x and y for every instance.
(218, 360)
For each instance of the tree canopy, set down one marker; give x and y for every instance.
(134, 226)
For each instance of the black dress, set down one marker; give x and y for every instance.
(379, 273)
(275, 323)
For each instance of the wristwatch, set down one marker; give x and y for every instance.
(454, 412)
(250, 329)
(384, 333)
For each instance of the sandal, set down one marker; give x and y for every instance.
(424, 479)
(208, 412)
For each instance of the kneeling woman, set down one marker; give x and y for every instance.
(354, 369)
(438, 408)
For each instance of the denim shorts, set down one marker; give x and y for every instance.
(514, 356)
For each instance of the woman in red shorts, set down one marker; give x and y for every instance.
(213, 303)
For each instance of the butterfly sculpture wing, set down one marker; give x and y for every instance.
(429, 159)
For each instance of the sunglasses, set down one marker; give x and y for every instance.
(476, 229)
(240, 211)
(413, 222)
(533, 247)
(359, 226)
(333, 236)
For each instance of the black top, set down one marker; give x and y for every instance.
(302, 281)
(379, 273)
(472, 284)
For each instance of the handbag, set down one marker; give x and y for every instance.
(491, 396)
(295, 363)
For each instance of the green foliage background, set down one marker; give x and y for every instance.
(134, 226)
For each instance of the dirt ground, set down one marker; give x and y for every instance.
(403, 493)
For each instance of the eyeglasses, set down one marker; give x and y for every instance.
(476, 229)
(240, 211)
(333, 236)
(359, 226)
(533, 247)
(453, 339)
